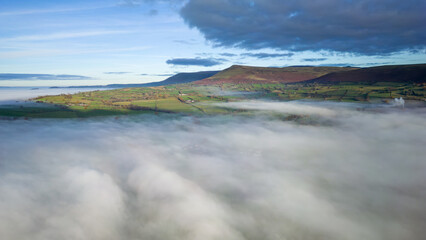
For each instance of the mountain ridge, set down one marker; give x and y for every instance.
(178, 78)
(412, 73)
(248, 74)
(240, 74)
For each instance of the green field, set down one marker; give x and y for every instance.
(196, 99)
(347, 92)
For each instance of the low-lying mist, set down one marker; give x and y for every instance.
(360, 176)
(18, 95)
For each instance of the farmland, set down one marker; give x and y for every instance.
(193, 98)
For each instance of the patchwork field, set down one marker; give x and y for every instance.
(196, 99)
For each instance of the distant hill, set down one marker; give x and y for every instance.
(175, 79)
(247, 74)
(415, 73)
(186, 77)
(238, 74)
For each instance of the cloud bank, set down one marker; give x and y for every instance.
(352, 174)
(267, 55)
(314, 59)
(205, 62)
(23, 76)
(368, 27)
(116, 73)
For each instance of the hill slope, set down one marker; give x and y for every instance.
(246, 74)
(186, 77)
(396, 73)
(175, 79)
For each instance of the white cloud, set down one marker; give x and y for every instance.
(282, 107)
(217, 177)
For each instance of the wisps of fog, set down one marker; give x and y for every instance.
(222, 177)
(297, 108)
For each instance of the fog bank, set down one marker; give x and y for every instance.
(360, 176)
(10, 95)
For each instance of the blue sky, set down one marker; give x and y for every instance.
(62, 43)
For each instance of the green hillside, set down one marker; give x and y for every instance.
(247, 74)
(197, 97)
(395, 73)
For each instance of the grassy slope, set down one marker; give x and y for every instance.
(194, 99)
(187, 77)
(245, 74)
(336, 92)
(398, 73)
(169, 99)
(191, 98)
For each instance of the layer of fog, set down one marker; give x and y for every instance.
(223, 177)
(17, 95)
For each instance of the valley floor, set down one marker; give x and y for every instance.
(198, 99)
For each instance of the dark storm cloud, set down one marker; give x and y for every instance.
(314, 59)
(369, 27)
(267, 55)
(206, 62)
(22, 76)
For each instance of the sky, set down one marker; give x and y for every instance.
(72, 43)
